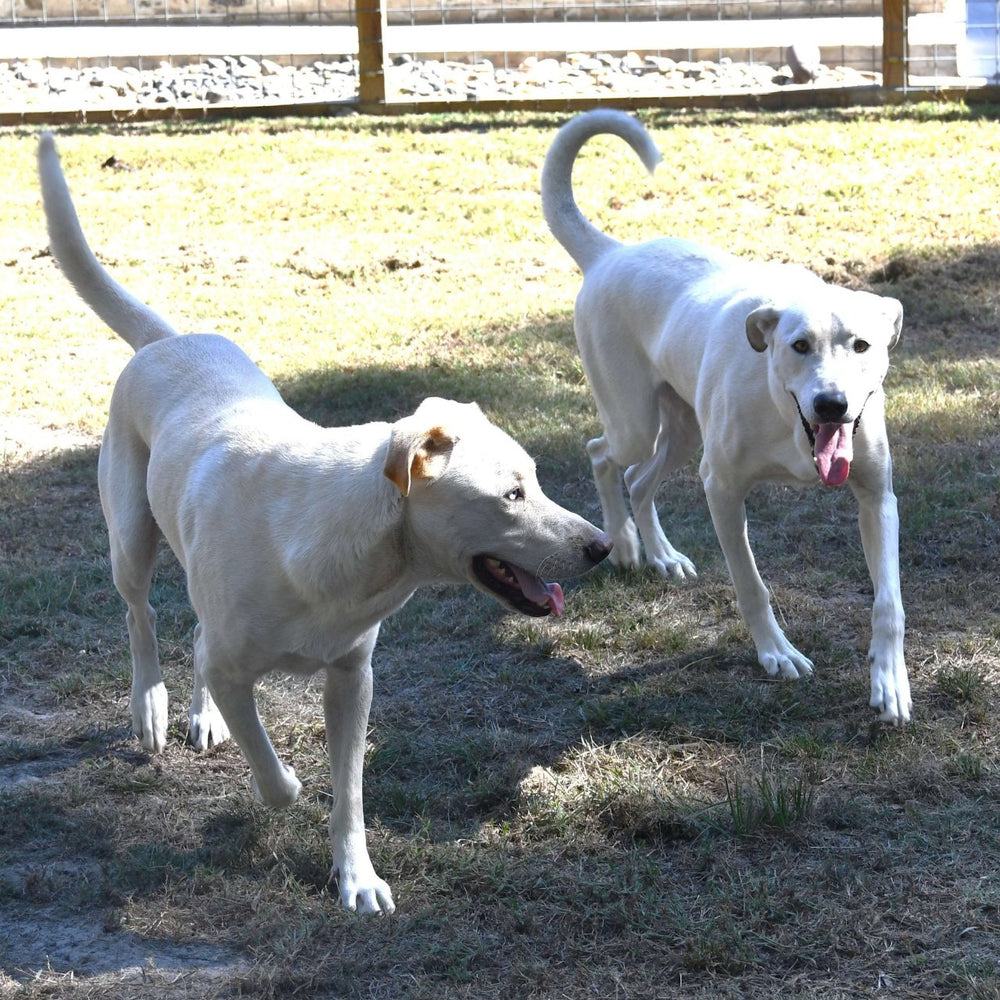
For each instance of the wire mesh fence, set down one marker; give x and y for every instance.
(483, 52)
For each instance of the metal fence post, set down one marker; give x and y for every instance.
(894, 19)
(371, 23)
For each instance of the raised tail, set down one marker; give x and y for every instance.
(585, 242)
(131, 319)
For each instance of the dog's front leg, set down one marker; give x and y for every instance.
(206, 726)
(774, 652)
(878, 519)
(346, 701)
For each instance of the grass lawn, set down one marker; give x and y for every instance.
(616, 804)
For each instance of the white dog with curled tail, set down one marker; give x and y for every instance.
(775, 372)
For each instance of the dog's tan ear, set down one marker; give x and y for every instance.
(416, 452)
(760, 325)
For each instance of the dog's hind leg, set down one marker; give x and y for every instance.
(618, 523)
(677, 440)
(346, 703)
(726, 503)
(134, 537)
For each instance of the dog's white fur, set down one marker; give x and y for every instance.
(685, 345)
(297, 540)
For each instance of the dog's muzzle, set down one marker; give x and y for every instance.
(831, 444)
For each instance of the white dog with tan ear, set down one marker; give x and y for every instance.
(776, 373)
(297, 540)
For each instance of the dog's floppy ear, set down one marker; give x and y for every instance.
(416, 452)
(894, 310)
(760, 325)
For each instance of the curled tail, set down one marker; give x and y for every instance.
(131, 319)
(584, 242)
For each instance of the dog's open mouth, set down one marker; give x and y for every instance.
(522, 590)
(832, 448)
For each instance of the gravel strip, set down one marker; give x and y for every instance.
(31, 86)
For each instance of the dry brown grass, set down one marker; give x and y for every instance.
(616, 804)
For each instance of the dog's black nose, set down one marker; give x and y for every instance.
(600, 548)
(830, 407)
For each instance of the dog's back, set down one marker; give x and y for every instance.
(132, 320)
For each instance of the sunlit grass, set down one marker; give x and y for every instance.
(617, 803)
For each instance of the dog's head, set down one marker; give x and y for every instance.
(827, 358)
(476, 513)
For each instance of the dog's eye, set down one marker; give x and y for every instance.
(800, 346)
(514, 495)
(860, 346)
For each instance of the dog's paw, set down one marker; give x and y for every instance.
(366, 898)
(278, 790)
(891, 693)
(627, 550)
(206, 726)
(785, 662)
(676, 566)
(149, 716)
(361, 890)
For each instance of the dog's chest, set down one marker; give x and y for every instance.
(789, 464)
(323, 634)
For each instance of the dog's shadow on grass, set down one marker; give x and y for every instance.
(466, 728)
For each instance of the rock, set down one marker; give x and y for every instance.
(662, 64)
(633, 63)
(245, 69)
(31, 71)
(110, 76)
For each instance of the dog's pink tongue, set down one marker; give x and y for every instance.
(537, 590)
(834, 451)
